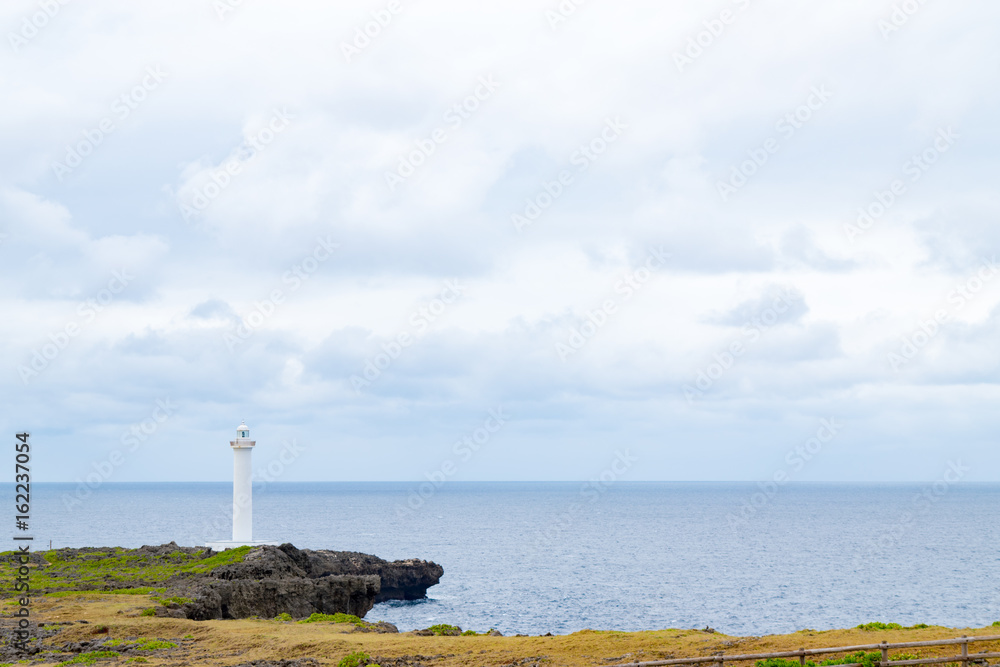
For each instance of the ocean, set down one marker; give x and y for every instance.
(533, 558)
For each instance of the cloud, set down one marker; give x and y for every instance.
(777, 304)
(261, 193)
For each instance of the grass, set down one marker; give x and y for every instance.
(356, 659)
(331, 618)
(153, 644)
(141, 643)
(219, 641)
(871, 659)
(445, 630)
(127, 571)
(90, 658)
(166, 602)
(878, 625)
(142, 590)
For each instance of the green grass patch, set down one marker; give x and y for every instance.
(870, 659)
(443, 630)
(90, 658)
(283, 616)
(330, 618)
(781, 662)
(356, 659)
(148, 612)
(118, 570)
(879, 625)
(142, 590)
(141, 643)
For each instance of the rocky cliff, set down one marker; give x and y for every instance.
(274, 580)
(261, 581)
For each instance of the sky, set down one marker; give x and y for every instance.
(725, 240)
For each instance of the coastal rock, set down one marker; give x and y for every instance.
(399, 580)
(275, 580)
(267, 582)
(298, 597)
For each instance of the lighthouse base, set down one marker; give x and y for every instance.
(229, 544)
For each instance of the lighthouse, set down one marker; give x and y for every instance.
(242, 486)
(242, 448)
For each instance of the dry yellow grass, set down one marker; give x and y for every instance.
(234, 642)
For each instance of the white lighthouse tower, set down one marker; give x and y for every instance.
(242, 486)
(242, 448)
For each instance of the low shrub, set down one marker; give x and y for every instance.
(879, 625)
(356, 659)
(89, 658)
(782, 662)
(870, 659)
(331, 618)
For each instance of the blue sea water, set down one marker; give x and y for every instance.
(559, 557)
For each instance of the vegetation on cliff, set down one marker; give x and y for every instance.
(126, 571)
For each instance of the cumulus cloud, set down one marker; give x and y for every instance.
(411, 160)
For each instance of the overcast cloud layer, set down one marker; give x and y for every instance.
(630, 227)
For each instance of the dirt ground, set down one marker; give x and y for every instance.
(78, 626)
